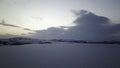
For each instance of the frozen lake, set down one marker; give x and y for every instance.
(60, 56)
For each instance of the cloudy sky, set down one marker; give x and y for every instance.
(40, 17)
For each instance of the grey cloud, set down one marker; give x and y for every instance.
(64, 27)
(30, 33)
(7, 36)
(5, 24)
(89, 26)
(77, 13)
(89, 18)
(27, 29)
(50, 33)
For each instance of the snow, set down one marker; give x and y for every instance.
(60, 55)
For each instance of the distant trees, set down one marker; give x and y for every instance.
(4, 42)
(22, 41)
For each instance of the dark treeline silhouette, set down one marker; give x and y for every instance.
(22, 41)
(89, 42)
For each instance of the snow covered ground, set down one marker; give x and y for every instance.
(60, 55)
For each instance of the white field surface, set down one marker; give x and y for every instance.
(60, 55)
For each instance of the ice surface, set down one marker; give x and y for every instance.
(60, 55)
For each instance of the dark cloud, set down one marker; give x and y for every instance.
(89, 26)
(77, 13)
(5, 24)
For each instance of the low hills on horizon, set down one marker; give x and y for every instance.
(22, 41)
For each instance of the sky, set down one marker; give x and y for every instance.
(25, 17)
